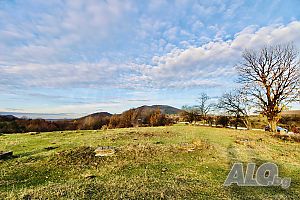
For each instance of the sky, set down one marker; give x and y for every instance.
(69, 58)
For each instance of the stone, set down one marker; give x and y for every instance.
(50, 148)
(27, 197)
(7, 154)
(89, 176)
(164, 169)
(282, 132)
(34, 133)
(105, 151)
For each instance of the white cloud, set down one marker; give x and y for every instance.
(207, 65)
(251, 37)
(51, 36)
(209, 7)
(100, 74)
(212, 63)
(99, 16)
(171, 33)
(197, 26)
(231, 10)
(155, 5)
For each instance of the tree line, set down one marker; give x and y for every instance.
(129, 118)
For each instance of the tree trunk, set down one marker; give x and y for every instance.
(247, 123)
(273, 124)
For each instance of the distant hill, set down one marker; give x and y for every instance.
(7, 118)
(142, 110)
(93, 121)
(97, 115)
(165, 109)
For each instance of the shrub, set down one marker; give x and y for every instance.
(158, 119)
(126, 119)
(223, 120)
(114, 121)
(295, 129)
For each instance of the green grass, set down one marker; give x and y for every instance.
(150, 163)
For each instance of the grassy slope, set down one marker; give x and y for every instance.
(149, 163)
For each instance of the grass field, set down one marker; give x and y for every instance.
(176, 162)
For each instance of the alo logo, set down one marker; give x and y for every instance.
(266, 175)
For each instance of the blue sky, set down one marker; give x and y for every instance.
(63, 59)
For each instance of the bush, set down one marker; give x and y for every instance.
(126, 119)
(211, 120)
(223, 120)
(295, 129)
(104, 127)
(114, 121)
(190, 114)
(158, 119)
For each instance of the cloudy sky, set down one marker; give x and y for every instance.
(63, 59)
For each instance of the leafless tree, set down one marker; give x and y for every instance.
(271, 77)
(203, 107)
(237, 104)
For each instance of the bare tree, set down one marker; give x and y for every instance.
(271, 77)
(237, 104)
(203, 106)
